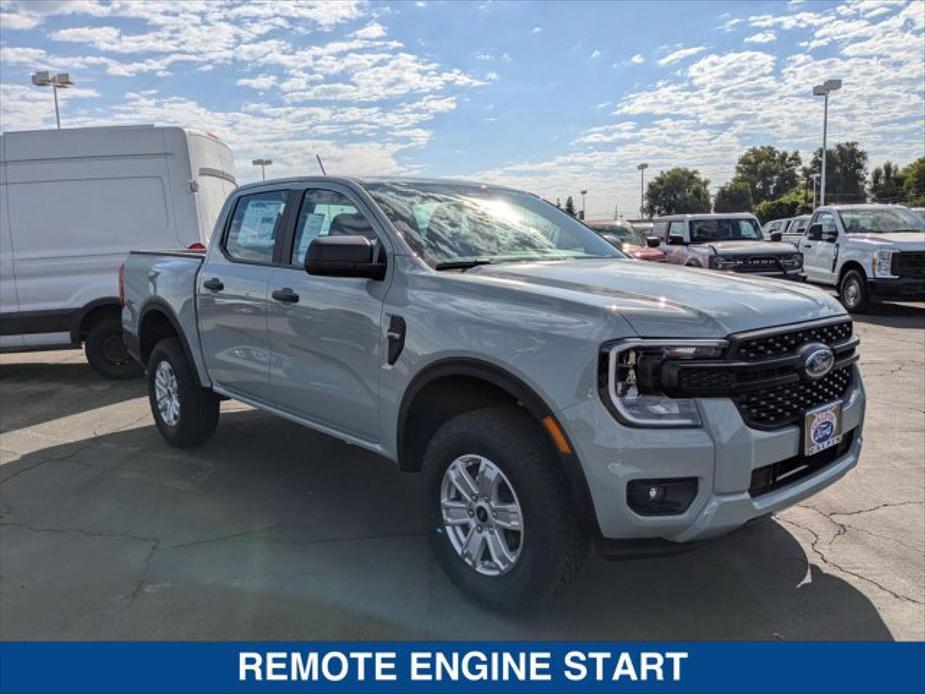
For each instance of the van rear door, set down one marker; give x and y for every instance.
(213, 170)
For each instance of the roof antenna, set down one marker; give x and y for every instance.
(323, 172)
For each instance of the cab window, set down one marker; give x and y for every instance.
(326, 213)
(254, 226)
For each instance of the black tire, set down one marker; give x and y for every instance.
(198, 408)
(852, 292)
(553, 546)
(106, 352)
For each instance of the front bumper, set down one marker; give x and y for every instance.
(903, 288)
(722, 455)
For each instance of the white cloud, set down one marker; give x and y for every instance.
(761, 37)
(537, 30)
(373, 30)
(261, 82)
(680, 54)
(637, 59)
(595, 54)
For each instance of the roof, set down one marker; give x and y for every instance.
(363, 180)
(704, 215)
(860, 206)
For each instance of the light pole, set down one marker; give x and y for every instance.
(583, 193)
(263, 164)
(62, 80)
(815, 178)
(825, 89)
(642, 189)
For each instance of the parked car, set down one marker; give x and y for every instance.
(547, 389)
(730, 241)
(73, 202)
(624, 236)
(796, 227)
(868, 252)
(774, 226)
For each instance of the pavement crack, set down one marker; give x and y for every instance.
(841, 529)
(78, 531)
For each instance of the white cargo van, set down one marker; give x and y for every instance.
(73, 203)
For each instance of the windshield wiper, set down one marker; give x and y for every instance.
(461, 264)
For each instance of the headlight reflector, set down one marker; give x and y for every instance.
(719, 262)
(882, 263)
(792, 262)
(630, 382)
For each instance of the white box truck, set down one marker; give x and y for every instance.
(73, 203)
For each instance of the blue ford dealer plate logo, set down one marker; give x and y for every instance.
(822, 428)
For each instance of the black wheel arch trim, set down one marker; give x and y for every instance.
(523, 393)
(80, 316)
(161, 306)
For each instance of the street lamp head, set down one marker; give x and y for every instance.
(262, 162)
(43, 78)
(832, 85)
(63, 80)
(642, 167)
(584, 192)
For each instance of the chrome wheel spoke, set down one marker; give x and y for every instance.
(167, 393)
(455, 513)
(488, 479)
(501, 554)
(506, 516)
(474, 546)
(463, 481)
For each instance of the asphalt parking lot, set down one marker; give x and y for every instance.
(272, 531)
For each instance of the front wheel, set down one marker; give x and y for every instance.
(852, 292)
(185, 413)
(501, 520)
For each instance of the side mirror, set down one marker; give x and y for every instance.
(777, 236)
(343, 256)
(675, 240)
(830, 236)
(653, 241)
(814, 233)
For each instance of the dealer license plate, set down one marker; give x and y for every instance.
(822, 428)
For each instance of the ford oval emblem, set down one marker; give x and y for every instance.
(817, 361)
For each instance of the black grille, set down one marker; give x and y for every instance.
(780, 344)
(772, 477)
(907, 264)
(782, 405)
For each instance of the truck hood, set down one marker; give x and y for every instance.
(660, 300)
(900, 241)
(734, 248)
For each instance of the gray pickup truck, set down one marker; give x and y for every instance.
(550, 391)
(732, 242)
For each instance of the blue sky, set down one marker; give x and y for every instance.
(553, 97)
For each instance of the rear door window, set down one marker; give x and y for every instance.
(327, 213)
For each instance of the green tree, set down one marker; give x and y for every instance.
(789, 205)
(887, 183)
(914, 183)
(768, 171)
(845, 173)
(570, 205)
(735, 196)
(677, 191)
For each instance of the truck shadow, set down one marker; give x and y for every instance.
(31, 392)
(906, 316)
(272, 531)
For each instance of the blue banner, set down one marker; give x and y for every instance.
(394, 668)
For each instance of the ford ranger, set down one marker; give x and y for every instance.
(730, 241)
(868, 252)
(550, 391)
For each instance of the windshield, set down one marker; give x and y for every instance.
(880, 220)
(621, 233)
(448, 223)
(706, 230)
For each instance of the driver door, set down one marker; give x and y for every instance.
(820, 249)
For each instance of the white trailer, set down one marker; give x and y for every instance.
(73, 203)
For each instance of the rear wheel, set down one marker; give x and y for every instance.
(852, 291)
(106, 351)
(502, 522)
(185, 413)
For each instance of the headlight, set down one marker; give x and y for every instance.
(882, 263)
(792, 262)
(719, 262)
(629, 380)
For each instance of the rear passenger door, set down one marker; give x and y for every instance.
(326, 336)
(232, 294)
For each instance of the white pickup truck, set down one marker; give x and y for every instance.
(868, 252)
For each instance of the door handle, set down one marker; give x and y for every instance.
(286, 294)
(214, 284)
